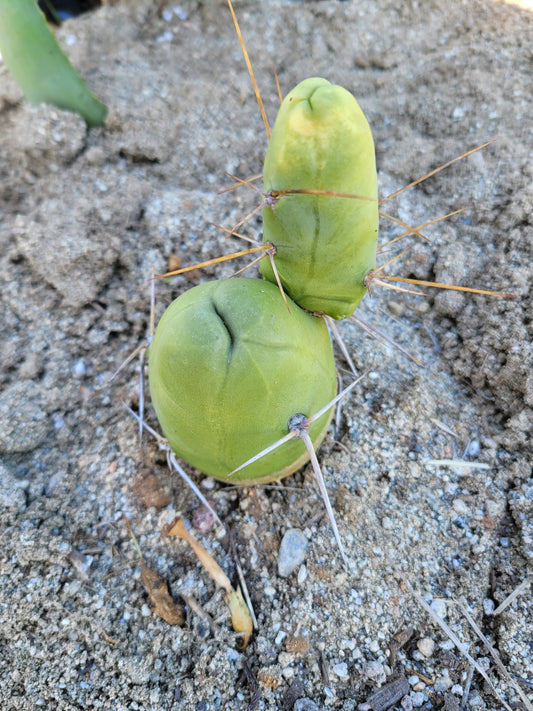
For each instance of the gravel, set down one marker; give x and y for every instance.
(84, 216)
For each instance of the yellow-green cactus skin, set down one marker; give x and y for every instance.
(228, 367)
(325, 245)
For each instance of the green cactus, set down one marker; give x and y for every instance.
(228, 367)
(325, 244)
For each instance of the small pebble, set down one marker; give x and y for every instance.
(375, 671)
(446, 644)
(396, 308)
(439, 608)
(341, 670)
(457, 689)
(302, 574)
(388, 523)
(204, 519)
(417, 698)
(473, 448)
(11, 494)
(95, 156)
(426, 646)
(484, 663)
(79, 369)
(180, 13)
(460, 507)
(407, 703)
(475, 700)
(23, 422)
(292, 551)
(374, 646)
(232, 654)
(305, 705)
(443, 683)
(280, 637)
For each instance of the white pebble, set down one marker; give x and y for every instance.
(417, 698)
(460, 507)
(79, 369)
(488, 606)
(302, 574)
(439, 608)
(341, 670)
(375, 671)
(426, 646)
(291, 551)
(280, 637)
(443, 683)
(473, 448)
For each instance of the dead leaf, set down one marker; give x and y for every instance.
(157, 589)
(164, 605)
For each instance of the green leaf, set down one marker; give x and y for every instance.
(38, 64)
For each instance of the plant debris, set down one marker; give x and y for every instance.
(240, 614)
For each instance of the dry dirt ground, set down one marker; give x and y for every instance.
(83, 218)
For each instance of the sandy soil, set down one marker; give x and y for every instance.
(85, 216)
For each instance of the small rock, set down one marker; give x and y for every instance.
(297, 644)
(341, 670)
(473, 448)
(95, 155)
(280, 637)
(417, 698)
(305, 705)
(375, 671)
(396, 308)
(11, 492)
(292, 551)
(443, 683)
(23, 423)
(79, 369)
(295, 692)
(460, 507)
(475, 700)
(302, 575)
(426, 646)
(439, 608)
(204, 519)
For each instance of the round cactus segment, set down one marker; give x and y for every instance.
(228, 368)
